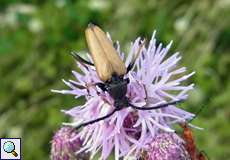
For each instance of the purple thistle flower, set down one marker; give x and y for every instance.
(65, 144)
(167, 146)
(156, 80)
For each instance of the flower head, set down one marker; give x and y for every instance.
(65, 144)
(155, 80)
(167, 146)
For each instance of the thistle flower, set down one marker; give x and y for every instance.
(167, 146)
(65, 145)
(155, 80)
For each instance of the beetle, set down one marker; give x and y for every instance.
(111, 70)
(190, 145)
(188, 137)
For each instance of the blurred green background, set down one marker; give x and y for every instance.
(36, 37)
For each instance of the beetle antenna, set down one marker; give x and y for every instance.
(158, 106)
(203, 153)
(97, 120)
(131, 65)
(80, 59)
(197, 113)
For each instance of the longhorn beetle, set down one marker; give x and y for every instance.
(190, 144)
(111, 70)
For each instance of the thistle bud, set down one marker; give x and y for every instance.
(65, 145)
(167, 146)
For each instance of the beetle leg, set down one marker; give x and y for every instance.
(127, 80)
(156, 107)
(102, 86)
